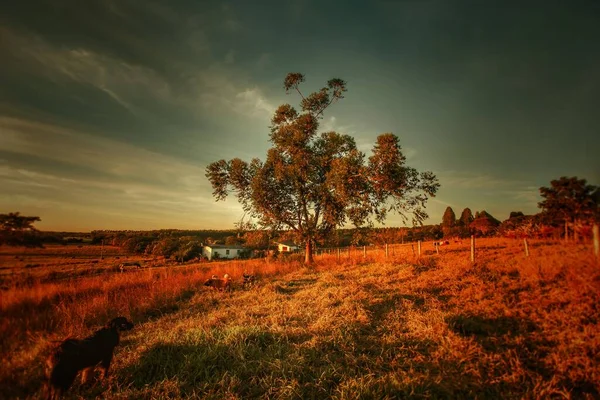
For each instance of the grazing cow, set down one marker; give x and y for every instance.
(219, 284)
(74, 355)
(129, 265)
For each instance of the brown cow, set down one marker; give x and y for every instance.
(219, 284)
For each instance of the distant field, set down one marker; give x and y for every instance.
(392, 326)
(18, 265)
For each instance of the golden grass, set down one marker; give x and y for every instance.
(395, 327)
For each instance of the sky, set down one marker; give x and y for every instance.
(110, 110)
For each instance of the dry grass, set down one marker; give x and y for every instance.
(434, 327)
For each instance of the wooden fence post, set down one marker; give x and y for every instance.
(364, 251)
(386, 251)
(472, 248)
(419, 248)
(596, 241)
(437, 248)
(526, 247)
(339, 251)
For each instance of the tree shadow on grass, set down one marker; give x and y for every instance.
(201, 367)
(294, 286)
(437, 292)
(23, 382)
(498, 335)
(425, 264)
(170, 306)
(482, 328)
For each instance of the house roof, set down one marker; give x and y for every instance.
(225, 246)
(288, 243)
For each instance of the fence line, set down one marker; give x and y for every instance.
(396, 251)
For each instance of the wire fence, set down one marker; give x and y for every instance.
(470, 247)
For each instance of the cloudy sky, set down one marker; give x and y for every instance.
(110, 110)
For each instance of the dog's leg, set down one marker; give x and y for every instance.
(85, 375)
(106, 364)
(54, 393)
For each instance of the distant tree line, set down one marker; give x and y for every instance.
(18, 230)
(569, 208)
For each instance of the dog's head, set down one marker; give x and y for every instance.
(121, 324)
(209, 282)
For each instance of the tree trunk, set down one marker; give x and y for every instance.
(308, 257)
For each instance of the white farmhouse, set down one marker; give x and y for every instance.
(222, 251)
(287, 246)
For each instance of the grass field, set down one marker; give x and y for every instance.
(399, 326)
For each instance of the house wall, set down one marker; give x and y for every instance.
(210, 253)
(286, 249)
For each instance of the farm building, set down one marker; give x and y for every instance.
(222, 251)
(287, 246)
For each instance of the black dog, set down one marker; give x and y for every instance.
(74, 355)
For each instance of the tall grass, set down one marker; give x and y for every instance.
(35, 315)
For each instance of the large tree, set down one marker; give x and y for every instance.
(18, 230)
(569, 200)
(311, 183)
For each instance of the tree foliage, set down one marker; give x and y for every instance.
(18, 230)
(257, 239)
(311, 183)
(449, 222)
(466, 217)
(519, 225)
(569, 200)
(449, 218)
(484, 224)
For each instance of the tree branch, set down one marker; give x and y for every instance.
(327, 105)
(298, 90)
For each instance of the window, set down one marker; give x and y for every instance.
(239, 251)
(226, 252)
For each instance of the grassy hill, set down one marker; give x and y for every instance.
(434, 327)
